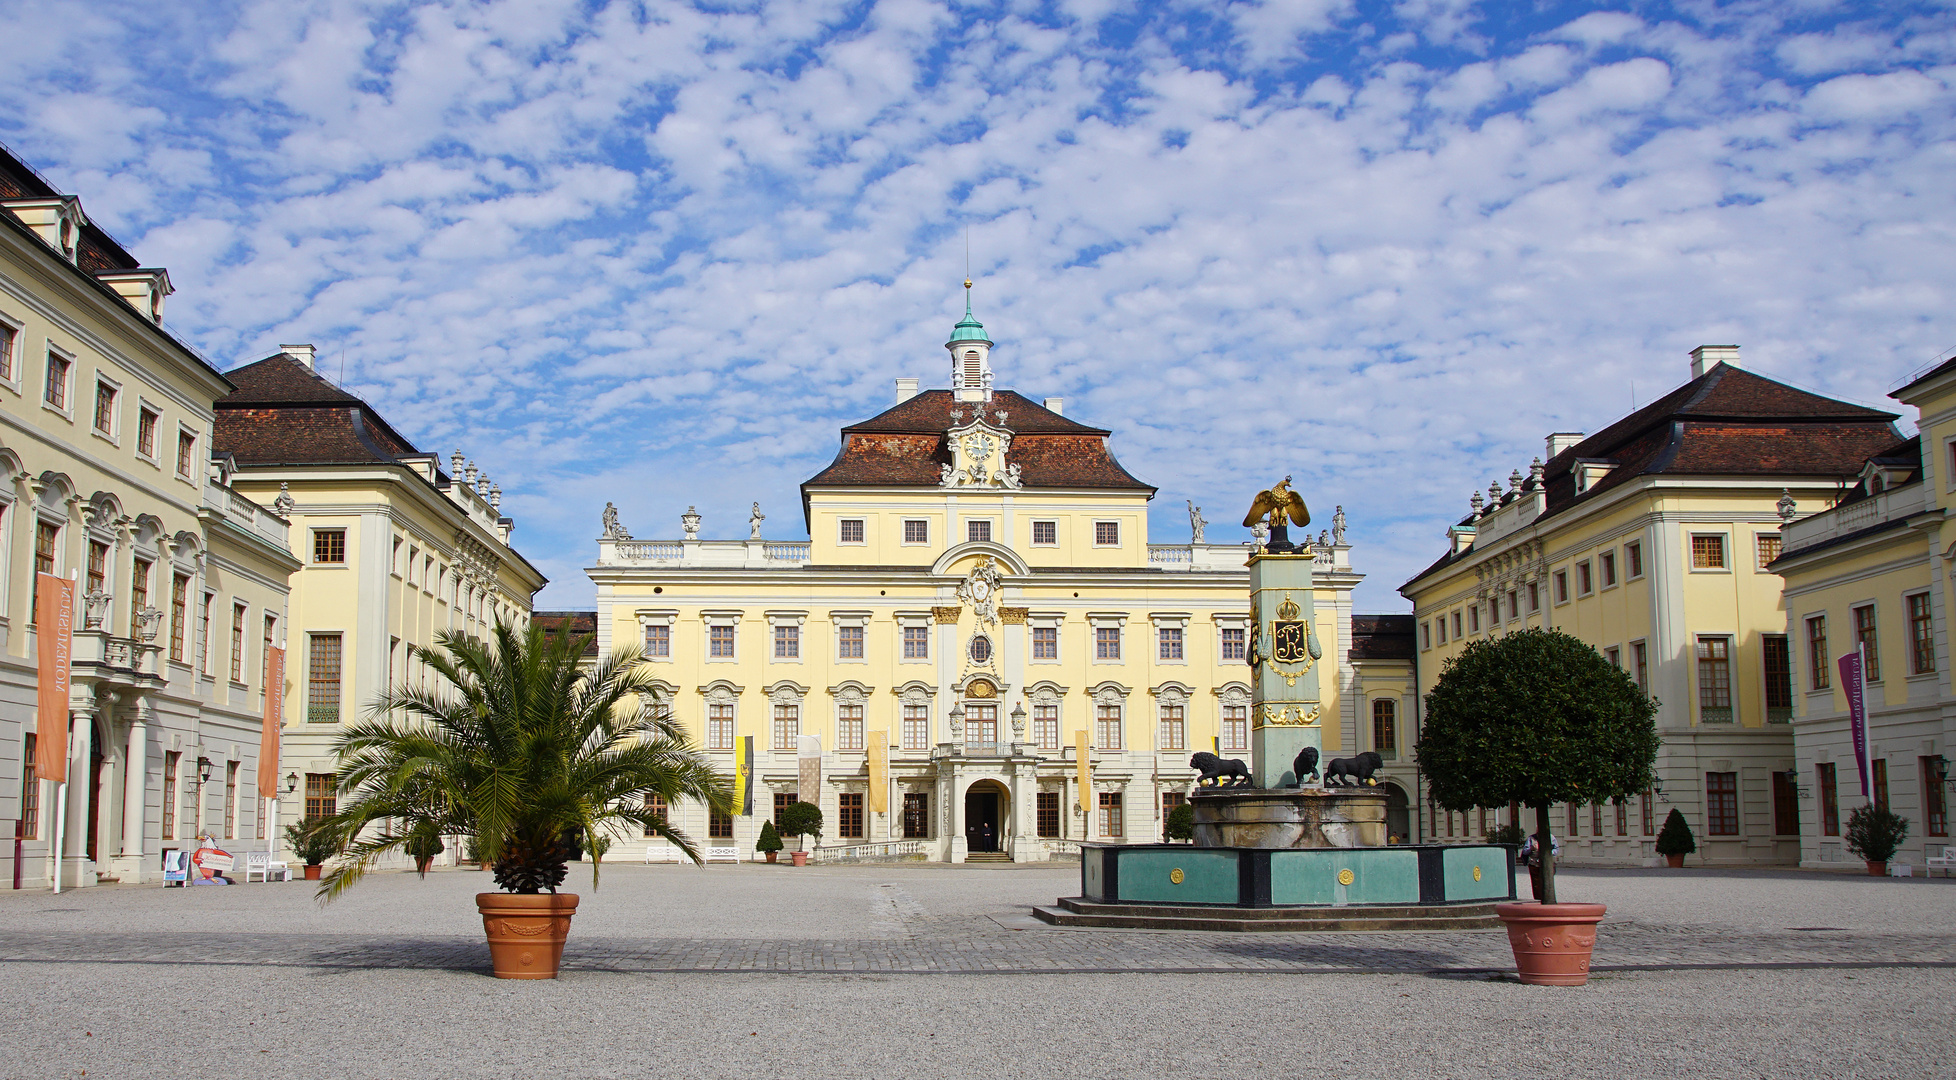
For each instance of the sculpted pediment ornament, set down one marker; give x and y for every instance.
(977, 451)
(980, 590)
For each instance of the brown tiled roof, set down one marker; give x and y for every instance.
(283, 413)
(572, 622)
(95, 250)
(1382, 637)
(905, 446)
(1726, 422)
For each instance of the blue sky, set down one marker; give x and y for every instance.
(657, 253)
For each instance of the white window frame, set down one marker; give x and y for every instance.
(176, 451)
(1585, 572)
(1691, 554)
(1610, 557)
(68, 389)
(145, 405)
(860, 521)
(1046, 620)
(775, 621)
(312, 546)
(113, 436)
(1171, 621)
(990, 526)
(1100, 620)
(1228, 622)
(1116, 523)
(1637, 562)
(905, 620)
(1032, 536)
(904, 537)
(857, 619)
(13, 381)
(666, 617)
(711, 619)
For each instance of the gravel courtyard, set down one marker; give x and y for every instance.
(905, 971)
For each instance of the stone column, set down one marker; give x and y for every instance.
(76, 871)
(135, 776)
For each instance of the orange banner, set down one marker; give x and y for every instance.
(54, 623)
(1081, 754)
(268, 739)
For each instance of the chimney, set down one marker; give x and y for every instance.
(906, 389)
(1562, 440)
(1706, 357)
(1056, 406)
(301, 353)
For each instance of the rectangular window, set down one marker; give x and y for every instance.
(1232, 643)
(323, 680)
(1614, 657)
(1534, 597)
(1935, 797)
(655, 806)
(98, 567)
(1722, 803)
(1561, 586)
(45, 538)
(146, 432)
(1822, 671)
(1045, 533)
(1171, 643)
(916, 727)
(1107, 727)
(1648, 804)
(1830, 803)
(1708, 552)
(978, 532)
(849, 642)
(850, 531)
(56, 393)
(1595, 819)
(719, 727)
(29, 825)
(186, 453)
(1425, 635)
(658, 640)
(1111, 825)
(1456, 624)
(1715, 680)
(265, 656)
(230, 798)
(1385, 728)
(179, 615)
(916, 643)
(1769, 546)
(1106, 533)
(171, 760)
(916, 531)
(849, 815)
(719, 826)
(105, 408)
(1864, 636)
(1107, 642)
(1606, 567)
(916, 815)
(1786, 804)
(1174, 729)
(9, 337)
(204, 635)
(1879, 770)
(321, 799)
(981, 728)
(139, 571)
(1921, 636)
(1584, 586)
(1170, 800)
(1778, 652)
(1622, 818)
(787, 727)
(787, 642)
(849, 727)
(1045, 643)
(1575, 823)
(782, 801)
(1049, 814)
(1633, 560)
(1474, 619)
(720, 641)
(1494, 611)
(1045, 726)
(1514, 604)
(329, 546)
(238, 612)
(1236, 728)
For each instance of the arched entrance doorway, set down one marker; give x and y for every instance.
(1398, 815)
(987, 806)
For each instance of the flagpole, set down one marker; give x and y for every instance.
(60, 829)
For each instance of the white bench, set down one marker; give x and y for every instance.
(1945, 862)
(1900, 869)
(260, 863)
(660, 851)
(723, 854)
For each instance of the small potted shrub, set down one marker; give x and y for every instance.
(313, 843)
(1674, 840)
(1180, 824)
(1511, 835)
(770, 842)
(1875, 835)
(803, 820)
(423, 844)
(1539, 717)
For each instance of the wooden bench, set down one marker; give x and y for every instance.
(1945, 862)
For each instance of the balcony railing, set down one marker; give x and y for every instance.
(786, 550)
(650, 549)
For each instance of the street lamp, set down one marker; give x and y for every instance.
(291, 782)
(204, 770)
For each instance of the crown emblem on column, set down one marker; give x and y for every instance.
(1287, 611)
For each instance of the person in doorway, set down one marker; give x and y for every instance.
(1531, 856)
(985, 837)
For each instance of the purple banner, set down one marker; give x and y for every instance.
(1857, 716)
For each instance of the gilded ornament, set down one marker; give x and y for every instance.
(946, 614)
(1477, 873)
(1013, 616)
(1175, 876)
(979, 688)
(1346, 877)
(1276, 503)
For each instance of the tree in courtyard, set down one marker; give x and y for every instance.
(1180, 824)
(1536, 717)
(770, 840)
(1675, 837)
(801, 819)
(522, 748)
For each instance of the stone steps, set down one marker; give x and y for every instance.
(987, 857)
(1075, 911)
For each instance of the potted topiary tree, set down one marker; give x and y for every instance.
(524, 748)
(803, 820)
(1538, 717)
(423, 844)
(1180, 824)
(770, 842)
(1674, 840)
(1875, 834)
(313, 843)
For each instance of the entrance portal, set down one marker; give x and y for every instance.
(984, 818)
(1398, 818)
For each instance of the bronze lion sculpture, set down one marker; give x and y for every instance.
(1219, 771)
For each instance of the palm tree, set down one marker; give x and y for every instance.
(522, 748)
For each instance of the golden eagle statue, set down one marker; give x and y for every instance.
(1276, 503)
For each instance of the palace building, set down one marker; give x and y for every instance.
(978, 605)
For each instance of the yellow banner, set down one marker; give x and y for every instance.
(879, 772)
(743, 777)
(54, 635)
(1086, 771)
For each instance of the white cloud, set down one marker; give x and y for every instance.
(1861, 97)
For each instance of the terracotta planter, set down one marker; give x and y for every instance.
(1877, 869)
(421, 865)
(1676, 862)
(526, 931)
(1552, 942)
(801, 858)
(771, 855)
(312, 871)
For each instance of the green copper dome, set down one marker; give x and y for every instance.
(968, 329)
